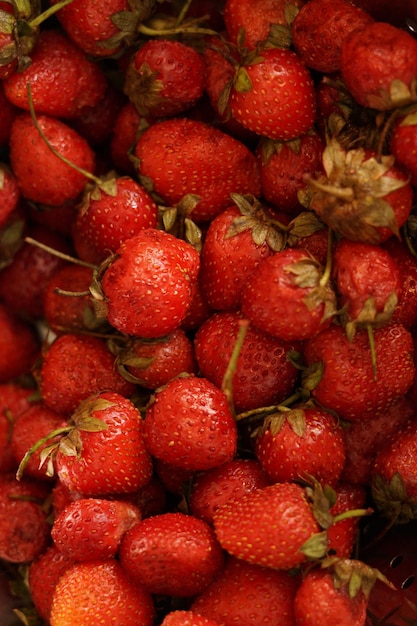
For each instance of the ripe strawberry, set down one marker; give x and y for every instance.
(199, 433)
(19, 345)
(104, 451)
(14, 400)
(18, 36)
(212, 488)
(172, 477)
(319, 29)
(379, 64)
(248, 594)
(348, 384)
(152, 553)
(303, 441)
(8, 113)
(100, 591)
(126, 127)
(183, 156)
(91, 529)
(403, 144)
(342, 534)
(165, 78)
(264, 374)
(9, 193)
(64, 385)
(44, 177)
(268, 527)
(187, 618)
(273, 95)
(76, 81)
(198, 311)
(149, 284)
(285, 297)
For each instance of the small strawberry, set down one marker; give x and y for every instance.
(199, 433)
(14, 400)
(152, 554)
(100, 591)
(19, 345)
(187, 618)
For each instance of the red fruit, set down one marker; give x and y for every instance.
(9, 193)
(187, 618)
(249, 595)
(379, 65)
(274, 95)
(268, 526)
(165, 78)
(19, 345)
(44, 177)
(212, 488)
(149, 285)
(63, 384)
(342, 534)
(171, 554)
(406, 311)
(100, 591)
(104, 452)
(92, 528)
(183, 156)
(189, 425)
(8, 113)
(62, 78)
(403, 144)
(292, 445)
(348, 384)
(126, 126)
(320, 27)
(14, 400)
(264, 374)
(285, 297)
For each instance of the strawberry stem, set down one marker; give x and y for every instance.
(371, 340)
(63, 430)
(227, 386)
(352, 513)
(57, 253)
(329, 258)
(179, 30)
(48, 13)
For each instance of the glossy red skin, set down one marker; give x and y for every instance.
(172, 554)
(403, 145)
(14, 399)
(9, 193)
(187, 618)
(245, 593)
(183, 156)
(319, 29)
(347, 385)
(281, 103)
(199, 433)
(264, 374)
(19, 345)
(318, 452)
(343, 534)
(153, 273)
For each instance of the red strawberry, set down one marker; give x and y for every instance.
(90, 529)
(8, 113)
(285, 297)
(264, 374)
(149, 284)
(248, 594)
(403, 144)
(405, 312)
(9, 193)
(182, 156)
(301, 442)
(342, 534)
(100, 591)
(199, 433)
(14, 400)
(152, 553)
(269, 526)
(187, 618)
(19, 345)
(126, 127)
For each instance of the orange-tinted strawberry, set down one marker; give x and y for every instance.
(187, 618)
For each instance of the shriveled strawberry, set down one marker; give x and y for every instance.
(270, 526)
(379, 66)
(92, 528)
(187, 618)
(19, 345)
(97, 591)
(182, 156)
(248, 594)
(44, 177)
(342, 534)
(285, 297)
(63, 384)
(9, 193)
(212, 488)
(14, 400)
(200, 433)
(303, 441)
(264, 373)
(149, 284)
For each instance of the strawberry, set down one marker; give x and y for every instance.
(319, 29)
(264, 373)
(379, 64)
(248, 594)
(302, 441)
(126, 126)
(212, 488)
(286, 298)
(63, 385)
(46, 178)
(187, 618)
(9, 193)
(91, 529)
(152, 553)
(273, 95)
(405, 311)
(403, 144)
(182, 156)
(165, 78)
(342, 535)
(100, 591)
(198, 311)
(348, 383)
(19, 345)
(200, 433)
(15, 399)
(8, 113)
(269, 526)
(104, 451)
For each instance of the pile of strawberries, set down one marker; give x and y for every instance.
(208, 310)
